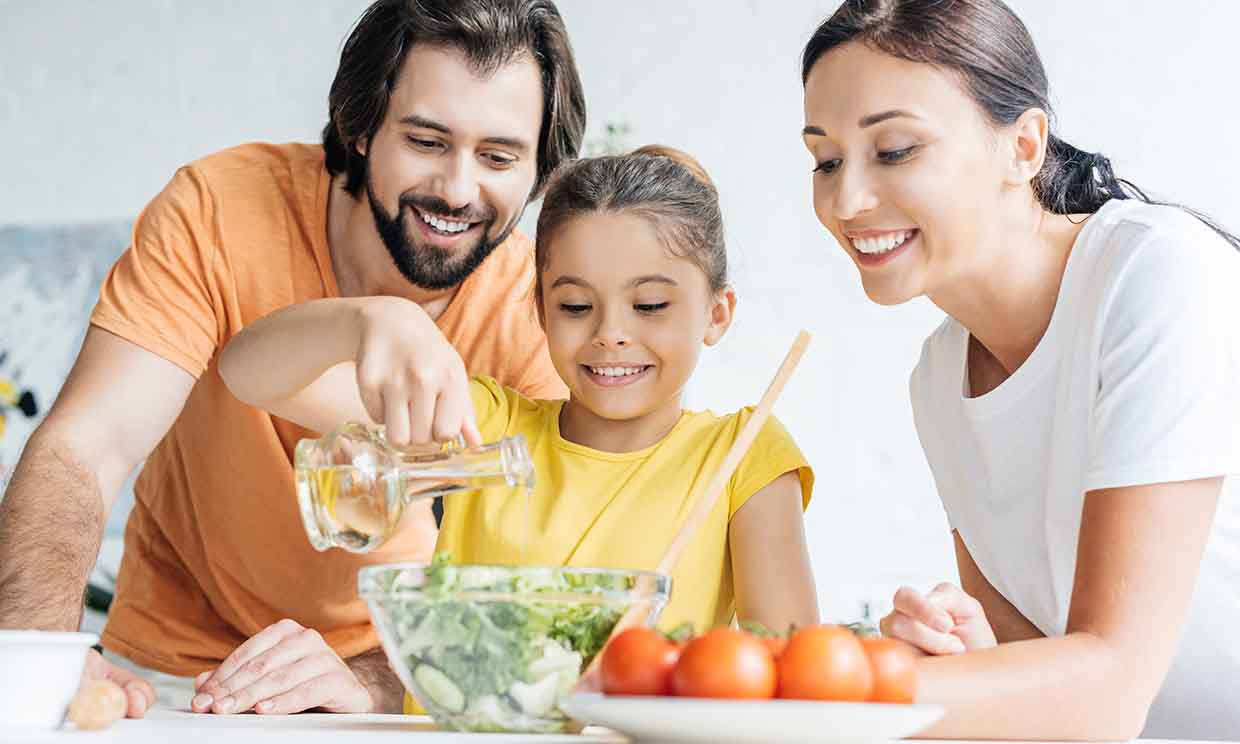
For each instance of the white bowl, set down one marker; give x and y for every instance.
(40, 672)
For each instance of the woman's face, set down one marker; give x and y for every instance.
(909, 175)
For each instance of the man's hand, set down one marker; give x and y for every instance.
(284, 668)
(409, 376)
(139, 694)
(945, 621)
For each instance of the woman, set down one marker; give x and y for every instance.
(1078, 407)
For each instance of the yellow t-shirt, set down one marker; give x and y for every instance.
(617, 510)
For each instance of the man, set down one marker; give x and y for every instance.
(446, 118)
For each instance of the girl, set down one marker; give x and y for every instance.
(631, 283)
(1078, 407)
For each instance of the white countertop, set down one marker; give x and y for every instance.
(181, 727)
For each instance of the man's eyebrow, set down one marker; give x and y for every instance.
(421, 122)
(815, 131)
(872, 119)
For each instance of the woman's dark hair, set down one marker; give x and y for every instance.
(989, 49)
(661, 184)
(490, 34)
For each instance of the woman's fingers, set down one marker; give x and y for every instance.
(918, 634)
(909, 601)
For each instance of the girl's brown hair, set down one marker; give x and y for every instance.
(662, 184)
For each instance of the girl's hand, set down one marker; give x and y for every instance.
(410, 378)
(945, 621)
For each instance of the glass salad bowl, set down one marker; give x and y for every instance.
(494, 648)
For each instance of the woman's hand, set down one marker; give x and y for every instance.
(409, 377)
(945, 621)
(284, 668)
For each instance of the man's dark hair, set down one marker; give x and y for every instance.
(490, 34)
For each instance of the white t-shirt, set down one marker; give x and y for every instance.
(1136, 381)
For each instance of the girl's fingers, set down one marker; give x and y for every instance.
(919, 635)
(909, 601)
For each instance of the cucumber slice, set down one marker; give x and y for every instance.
(442, 690)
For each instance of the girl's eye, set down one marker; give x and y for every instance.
(895, 156)
(828, 167)
(574, 309)
(650, 308)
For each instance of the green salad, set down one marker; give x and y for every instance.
(492, 648)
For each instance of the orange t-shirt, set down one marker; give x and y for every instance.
(215, 549)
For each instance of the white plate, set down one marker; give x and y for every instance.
(672, 719)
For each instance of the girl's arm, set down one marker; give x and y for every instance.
(770, 560)
(371, 359)
(1138, 556)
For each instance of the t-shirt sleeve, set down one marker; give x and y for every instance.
(1167, 407)
(162, 294)
(772, 454)
(493, 405)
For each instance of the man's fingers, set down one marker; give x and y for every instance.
(284, 654)
(277, 682)
(910, 602)
(396, 418)
(473, 437)
(136, 701)
(921, 636)
(422, 414)
(257, 644)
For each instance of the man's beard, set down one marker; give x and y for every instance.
(423, 265)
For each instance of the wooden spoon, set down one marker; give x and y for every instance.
(704, 502)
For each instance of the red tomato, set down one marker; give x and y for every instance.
(725, 663)
(639, 661)
(895, 670)
(825, 662)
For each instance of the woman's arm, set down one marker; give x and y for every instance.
(770, 560)
(1138, 556)
(1005, 620)
(371, 359)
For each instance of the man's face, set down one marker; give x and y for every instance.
(451, 168)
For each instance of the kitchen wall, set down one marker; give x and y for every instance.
(99, 102)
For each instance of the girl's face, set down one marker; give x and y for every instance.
(911, 179)
(625, 318)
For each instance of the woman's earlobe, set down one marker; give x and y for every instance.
(1031, 134)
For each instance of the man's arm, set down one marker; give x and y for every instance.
(116, 405)
(373, 671)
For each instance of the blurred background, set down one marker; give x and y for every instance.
(101, 102)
